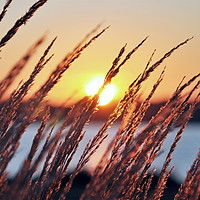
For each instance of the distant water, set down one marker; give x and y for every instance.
(184, 154)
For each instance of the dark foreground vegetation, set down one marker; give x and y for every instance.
(83, 178)
(122, 171)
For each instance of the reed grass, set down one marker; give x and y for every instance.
(5, 8)
(122, 170)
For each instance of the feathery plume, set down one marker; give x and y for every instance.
(5, 8)
(21, 21)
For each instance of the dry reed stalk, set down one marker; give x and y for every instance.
(17, 68)
(132, 125)
(172, 118)
(104, 159)
(32, 187)
(72, 139)
(36, 188)
(61, 68)
(118, 176)
(115, 69)
(21, 180)
(139, 81)
(12, 104)
(184, 190)
(5, 8)
(63, 157)
(95, 143)
(44, 178)
(137, 188)
(133, 89)
(128, 108)
(163, 113)
(161, 184)
(195, 188)
(155, 65)
(135, 191)
(188, 114)
(77, 134)
(139, 162)
(95, 100)
(137, 117)
(12, 136)
(54, 141)
(22, 20)
(78, 46)
(165, 127)
(148, 184)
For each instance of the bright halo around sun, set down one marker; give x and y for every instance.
(107, 94)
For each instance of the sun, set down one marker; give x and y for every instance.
(108, 93)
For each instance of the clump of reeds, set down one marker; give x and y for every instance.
(123, 168)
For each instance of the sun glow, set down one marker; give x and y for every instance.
(107, 94)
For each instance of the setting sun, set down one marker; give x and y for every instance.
(107, 94)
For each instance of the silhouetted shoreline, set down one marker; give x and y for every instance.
(105, 111)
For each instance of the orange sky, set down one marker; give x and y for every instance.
(166, 22)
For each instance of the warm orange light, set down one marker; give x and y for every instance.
(107, 94)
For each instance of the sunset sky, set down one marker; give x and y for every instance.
(166, 22)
